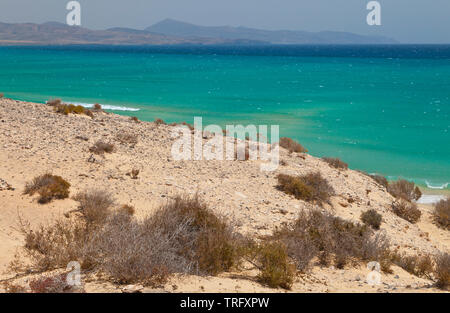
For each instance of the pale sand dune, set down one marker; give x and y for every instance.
(34, 140)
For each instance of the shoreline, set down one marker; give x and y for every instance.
(434, 194)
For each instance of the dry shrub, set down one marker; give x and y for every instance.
(371, 218)
(403, 189)
(380, 180)
(331, 238)
(95, 205)
(275, 267)
(1, 95)
(309, 187)
(134, 119)
(291, 145)
(127, 138)
(134, 173)
(97, 107)
(101, 147)
(54, 102)
(406, 210)
(183, 236)
(442, 271)
(336, 163)
(48, 187)
(420, 266)
(441, 213)
(159, 121)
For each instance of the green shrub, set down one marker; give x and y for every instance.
(309, 187)
(336, 163)
(275, 268)
(292, 145)
(371, 218)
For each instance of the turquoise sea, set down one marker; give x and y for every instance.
(382, 109)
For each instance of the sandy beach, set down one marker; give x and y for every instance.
(35, 140)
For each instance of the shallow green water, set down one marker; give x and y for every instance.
(389, 115)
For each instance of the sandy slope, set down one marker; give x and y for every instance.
(34, 140)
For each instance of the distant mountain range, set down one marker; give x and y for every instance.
(170, 32)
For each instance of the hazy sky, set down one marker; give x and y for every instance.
(419, 21)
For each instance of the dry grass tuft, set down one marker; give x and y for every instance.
(309, 187)
(403, 189)
(372, 218)
(101, 147)
(48, 187)
(336, 163)
(406, 210)
(441, 213)
(291, 145)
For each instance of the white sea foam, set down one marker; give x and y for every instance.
(443, 186)
(106, 106)
(430, 199)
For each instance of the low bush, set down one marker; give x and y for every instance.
(309, 187)
(406, 210)
(159, 121)
(127, 209)
(48, 187)
(101, 147)
(420, 266)
(97, 107)
(291, 145)
(50, 284)
(442, 271)
(441, 213)
(134, 119)
(183, 236)
(54, 102)
(372, 218)
(95, 205)
(275, 267)
(127, 138)
(330, 238)
(1, 95)
(336, 163)
(380, 180)
(403, 189)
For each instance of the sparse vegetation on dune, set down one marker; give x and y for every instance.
(134, 119)
(332, 240)
(406, 210)
(101, 147)
(127, 138)
(54, 102)
(1, 95)
(48, 187)
(336, 163)
(66, 109)
(183, 236)
(292, 145)
(372, 218)
(159, 121)
(403, 189)
(380, 180)
(441, 213)
(309, 187)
